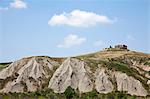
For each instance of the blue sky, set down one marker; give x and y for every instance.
(71, 27)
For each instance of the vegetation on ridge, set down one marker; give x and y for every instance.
(68, 94)
(4, 65)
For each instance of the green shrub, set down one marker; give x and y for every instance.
(69, 93)
(110, 96)
(89, 95)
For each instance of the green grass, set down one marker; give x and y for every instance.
(4, 65)
(147, 62)
(121, 67)
(69, 94)
(92, 64)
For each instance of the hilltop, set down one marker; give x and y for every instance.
(104, 72)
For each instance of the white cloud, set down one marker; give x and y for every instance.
(71, 40)
(99, 43)
(79, 18)
(18, 4)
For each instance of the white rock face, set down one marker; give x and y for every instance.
(71, 73)
(141, 65)
(12, 68)
(32, 74)
(76, 73)
(12, 87)
(129, 84)
(148, 82)
(102, 82)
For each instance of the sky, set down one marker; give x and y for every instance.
(60, 28)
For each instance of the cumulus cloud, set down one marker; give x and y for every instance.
(79, 18)
(18, 4)
(71, 40)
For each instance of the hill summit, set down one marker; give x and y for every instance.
(106, 71)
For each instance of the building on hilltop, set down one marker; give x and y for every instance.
(121, 47)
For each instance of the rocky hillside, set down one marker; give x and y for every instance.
(104, 72)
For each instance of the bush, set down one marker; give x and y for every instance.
(69, 93)
(121, 95)
(110, 96)
(90, 95)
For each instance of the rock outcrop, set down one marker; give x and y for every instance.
(72, 73)
(30, 74)
(102, 81)
(104, 72)
(75, 73)
(129, 84)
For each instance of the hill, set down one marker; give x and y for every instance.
(107, 72)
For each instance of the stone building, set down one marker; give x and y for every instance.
(121, 47)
